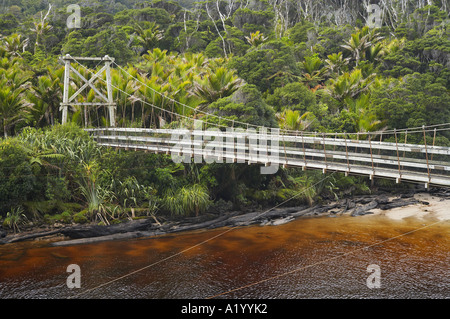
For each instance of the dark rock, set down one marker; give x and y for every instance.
(383, 199)
(364, 200)
(398, 203)
(363, 210)
(350, 204)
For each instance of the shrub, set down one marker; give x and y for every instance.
(188, 200)
(80, 218)
(66, 217)
(14, 218)
(16, 174)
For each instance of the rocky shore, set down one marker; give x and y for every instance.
(358, 206)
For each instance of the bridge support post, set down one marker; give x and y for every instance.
(64, 106)
(111, 106)
(107, 101)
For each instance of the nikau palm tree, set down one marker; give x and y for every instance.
(220, 83)
(363, 44)
(48, 90)
(14, 45)
(14, 106)
(349, 85)
(336, 64)
(148, 36)
(313, 71)
(292, 120)
(256, 38)
(364, 121)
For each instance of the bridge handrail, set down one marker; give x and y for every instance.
(392, 146)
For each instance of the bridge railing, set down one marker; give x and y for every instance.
(389, 156)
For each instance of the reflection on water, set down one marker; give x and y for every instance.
(412, 266)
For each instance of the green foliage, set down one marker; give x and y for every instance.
(233, 40)
(294, 96)
(417, 100)
(299, 32)
(46, 96)
(364, 44)
(15, 218)
(14, 81)
(248, 20)
(148, 36)
(16, 174)
(270, 65)
(187, 200)
(245, 105)
(256, 38)
(158, 15)
(429, 53)
(112, 42)
(8, 22)
(292, 120)
(57, 188)
(219, 84)
(81, 217)
(349, 85)
(66, 217)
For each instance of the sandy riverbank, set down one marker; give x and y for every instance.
(428, 207)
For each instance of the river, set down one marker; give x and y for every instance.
(321, 257)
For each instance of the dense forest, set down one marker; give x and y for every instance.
(294, 64)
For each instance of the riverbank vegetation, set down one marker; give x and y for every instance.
(298, 65)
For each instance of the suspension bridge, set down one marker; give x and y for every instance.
(383, 154)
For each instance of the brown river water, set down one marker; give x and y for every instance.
(321, 257)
